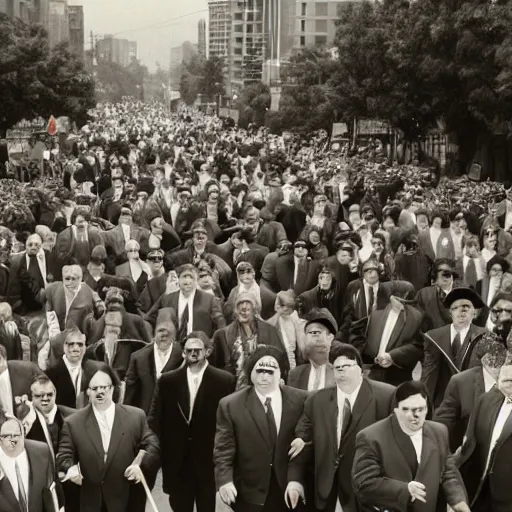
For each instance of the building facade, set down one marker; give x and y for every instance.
(118, 51)
(58, 27)
(201, 38)
(30, 11)
(76, 29)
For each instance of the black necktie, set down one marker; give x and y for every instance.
(183, 324)
(471, 275)
(272, 428)
(347, 417)
(53, 430)
(371, 301)
(456, 345)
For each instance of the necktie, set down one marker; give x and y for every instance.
(183, 324)
(35, 271)
(456, 345)
(271, 422)
(53, 430)
(195, 386)
(105, 433)
(318, 376)
(22, 495)
(301, 271)
(371, 299)
(347, 416)
(471, 276)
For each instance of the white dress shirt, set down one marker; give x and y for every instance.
(194, 381)
(503, 415)
(276, 403)
(312, 376)
(161, 359)
(9, 468)
(182, 303)
(341, 402)
(434, 237)
(126, 232)
(367, 294)
(44, 426)
(6, 397)
(296, 276)
(489, 380)
(75, 372)
(105, 427)
(463, 334)
(417, 442)
(85, 233)
(135, 269)
(494, 286)
(175, 208)
(41, 262)
(487, 254)
(389, 326)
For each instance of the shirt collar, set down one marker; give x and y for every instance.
(68, 364)
(108, 412)
(195, 375)
(275, 395)
(462, 333)
(159, 352)
(190, 298)
(351, 398)
(50, 415)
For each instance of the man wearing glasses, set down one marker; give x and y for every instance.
(105, 447)
(501, 315)
(187, 399)
(332, 417)
(455, 343)
(156, 285)
(403, 462)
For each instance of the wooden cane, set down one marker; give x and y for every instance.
(137, 461)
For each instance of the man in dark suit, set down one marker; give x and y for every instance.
(69, 374)
(457, 341)
(332, 418)
(392, 346)
(404, 463)
(318, 372)
(187, 399)
(27, 471)
(293, 271)
(465, 387)
(112, 444)
(431, 299)
(15, 380)
(195, 309)
(149, 363)
(484, 459)
(255, 427)
(156, 285)
(233, 344)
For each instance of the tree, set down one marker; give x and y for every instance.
(191, 75)
(115, 81)
(36, 81)
(212, 78)
(253, 103)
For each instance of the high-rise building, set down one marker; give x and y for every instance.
(16, 8)
(315, 22)
(201, 38)
(219, 28)
(180, 55)
(119, 51)
(76, 29)
(58, 27)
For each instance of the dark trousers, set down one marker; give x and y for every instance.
(274, 502)
(184, 492)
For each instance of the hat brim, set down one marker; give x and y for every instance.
(325, 322)
(467, 294)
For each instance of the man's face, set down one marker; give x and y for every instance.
(344, 257)
(314, 237)
(80, 223)
(473, 249)
(194, 352)
(132, 251)
(490, 240)
(437, 222)
(412, 412)
(74, 348)
(43, 397)
(188, 281)
(252, 219)
(155, 262)
(266, 375)
(300, 251)
(422, 222)
(245, 312)
(71, 277)
(462, 312)
(444, 276)
(496, 271)
(501, 312)
(319, 207)
(246, 276)
(213, 193)
(11, 438)
(200, 239)
(100, 390)
(371, 273)
(33, 245)
(157, 226)
(505, 380)
(346, 371)
(164, 337)
(129, 188)
(377, 245)
(325, 281)
(318, 339)
(125, 217)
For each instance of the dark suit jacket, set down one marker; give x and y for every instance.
(36, 433)
(224, 339)
(446, 249)
(385, 462)
(284, 272)
(153, 290)
(242, 453)
(80, 442)
(310, 299)
(66, 242)
(141, 377)
(114, 238)
(458, 403)
(436, 315)
(190, 441)
(267, 297)
(317, 427)
(472, 458)
(299, 376)
(61, 379)
(270, 234)
(41, 478)
(482, 288)
(436, 372)
(21, 374)
(207, 315)
(405, 345)
(133, 328)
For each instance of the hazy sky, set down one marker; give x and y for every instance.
(152, 23)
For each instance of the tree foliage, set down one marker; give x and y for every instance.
(114, 81)
(253, 103)
(200, 76)
(36, 81)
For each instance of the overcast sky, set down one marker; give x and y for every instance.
(152, 23)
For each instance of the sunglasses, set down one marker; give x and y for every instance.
(193, 350)
(155, 259)
(446, 273)
(498, 311)
(268, 372)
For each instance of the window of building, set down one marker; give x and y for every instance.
(303, 10)
(321, 26)
(238, 28)
(321, 9)
(238, 51)
(239, 40)
(303, 40)
(320, 40)
(238, 15)
(303, 25)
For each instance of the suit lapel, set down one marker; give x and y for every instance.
(116, 434)
(205, 384)
(304, 376)
(471, 339)
(479, 384)
(286, 415)
(93, 431)
(485, 289)
(173, 360)
(184, 395)
(361, 301)
(257, 412)
(495, 402)
(363, 399)
(397, 331)
(505, 433)
(331, 418)
(34, 471)
(404, 447)
(7, 492)
(428, 449)
(329, 376)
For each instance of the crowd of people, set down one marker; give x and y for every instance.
(272, 325)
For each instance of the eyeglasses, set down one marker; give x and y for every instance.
(499, 311)
(44, 395)
(344, 367)
(496, 271)
(10, 437)
(100, 388)
(193, 350)
(246, 271)
(74, 344)
(371, 269)
(268, 372)
(155, 259)
(446, 273)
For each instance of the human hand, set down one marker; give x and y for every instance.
(294, 492)
(417, 491)
(133, 473)
(296, 446)
(228, 493)
(384, 360)
(461, 507)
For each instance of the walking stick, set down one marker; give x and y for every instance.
(447, 357)
(137, 461)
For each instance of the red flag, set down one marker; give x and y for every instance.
(52, 126)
